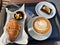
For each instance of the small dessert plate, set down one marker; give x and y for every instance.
(43, 14)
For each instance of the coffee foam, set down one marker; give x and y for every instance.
(41, 25)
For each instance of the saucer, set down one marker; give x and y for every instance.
(42, 14)
(35, 35)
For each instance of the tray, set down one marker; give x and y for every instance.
(55, 34)
(31, 7)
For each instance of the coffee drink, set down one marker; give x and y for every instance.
(41, 25)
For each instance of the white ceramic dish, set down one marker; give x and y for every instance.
(35, 35)
(23, 37)
(41, 13)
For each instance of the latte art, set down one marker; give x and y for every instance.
(41, 25)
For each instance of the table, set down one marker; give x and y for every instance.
(30, 2)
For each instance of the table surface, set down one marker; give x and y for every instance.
(25, 1)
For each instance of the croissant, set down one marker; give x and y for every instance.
(13, 28)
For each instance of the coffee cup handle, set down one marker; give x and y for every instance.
(30, 29)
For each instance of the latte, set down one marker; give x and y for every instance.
(41, 25)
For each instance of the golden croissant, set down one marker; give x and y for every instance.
(13, 28)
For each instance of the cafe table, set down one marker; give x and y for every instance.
(55, 30)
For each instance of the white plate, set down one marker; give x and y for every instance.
(22, 37)
(35, 35)
(41, 13)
